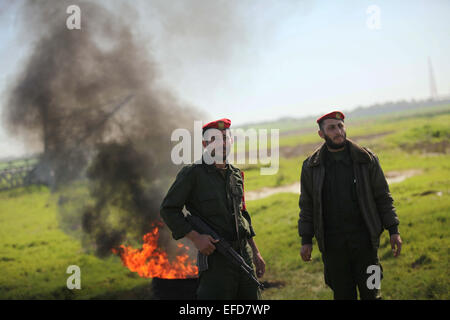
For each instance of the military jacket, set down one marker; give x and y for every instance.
(210, 194)
(372, 192)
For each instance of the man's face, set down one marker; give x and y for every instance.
(218, 142)
(333, 132)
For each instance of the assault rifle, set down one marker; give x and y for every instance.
(223, 247)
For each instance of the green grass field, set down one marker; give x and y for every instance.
(35, 252)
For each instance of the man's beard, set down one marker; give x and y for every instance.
(222, 155)
(332, 145)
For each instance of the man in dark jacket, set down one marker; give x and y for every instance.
(213, 190)
(345, 203)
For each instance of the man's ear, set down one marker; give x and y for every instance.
(204, 143)
(321, 134)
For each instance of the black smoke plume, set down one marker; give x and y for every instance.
(90, 99)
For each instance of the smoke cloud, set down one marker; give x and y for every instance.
(91, 99)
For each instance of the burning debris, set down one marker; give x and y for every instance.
(152, 262)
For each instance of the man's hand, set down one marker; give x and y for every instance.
(305, 252)
(203, 242)
(258, 260)
(260, 264)
(396, 244)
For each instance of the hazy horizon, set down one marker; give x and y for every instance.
(259, 61)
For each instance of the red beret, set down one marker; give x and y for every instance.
(332, 115)
(218, 124)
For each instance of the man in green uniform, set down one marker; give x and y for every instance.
(345, 203)
(213, 190)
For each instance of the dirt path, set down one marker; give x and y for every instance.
(267, 191)
(391, 177)
(399, 176)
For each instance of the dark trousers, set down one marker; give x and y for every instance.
(224, 281)
(346, 259)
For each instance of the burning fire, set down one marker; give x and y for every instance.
(152, 261)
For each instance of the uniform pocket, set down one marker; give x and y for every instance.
(244, 227)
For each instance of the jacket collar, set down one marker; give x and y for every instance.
(210, 168)
(346, 158)
(357, 153)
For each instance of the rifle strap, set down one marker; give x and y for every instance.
(235, 208)
(244, 208)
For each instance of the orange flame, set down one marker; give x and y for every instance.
(153, 262)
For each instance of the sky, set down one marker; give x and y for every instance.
(262, 60)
